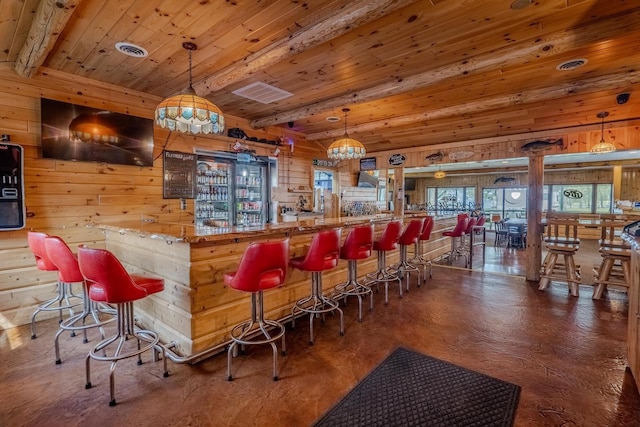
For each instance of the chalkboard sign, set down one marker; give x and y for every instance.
(178, 175)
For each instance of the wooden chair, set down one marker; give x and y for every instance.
(615, 268)
(561, 239)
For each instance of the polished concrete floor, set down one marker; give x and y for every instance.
(568, 354)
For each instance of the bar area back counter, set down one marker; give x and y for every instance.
(196, 310)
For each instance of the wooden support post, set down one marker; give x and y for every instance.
(398, 192)
(534, 216)
(617, 182)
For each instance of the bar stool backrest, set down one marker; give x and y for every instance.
(35, 240)
(262, 266)
(461, 226)
(60, 254)
(427, 228)
(358, 243)
(470, 224)
(106, 277)
(389, 239)
(562, 228)
(324, 251)
(611, 229)
(411, 232)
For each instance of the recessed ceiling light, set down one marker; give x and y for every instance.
(504, 161)
(131, 49)
(571, 64)
(333, 119)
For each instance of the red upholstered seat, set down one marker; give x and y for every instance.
(460, 228)
(387, 242)
(470, 224)
(63, 301)
(263, 266)
(481, 221)
(409, 236)
(69, 272)
(357, 245)
(65, 261)
(419, 259)
(109, 282)
(323, 254)
(35, 240)
(389, 239)
(427, 228)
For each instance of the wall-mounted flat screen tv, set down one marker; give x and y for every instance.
(367, 180)
(75, 132)
(409, 184)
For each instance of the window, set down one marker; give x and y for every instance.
(507, 202)
(447, 200)
(323, 179)
(578, 198)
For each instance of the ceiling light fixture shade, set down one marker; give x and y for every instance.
(188, 112)
(439, 174)
(603, 146)
(345, 147)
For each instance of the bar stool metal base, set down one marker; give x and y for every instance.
(65, 294)
(126, 332)
(354, 288)
(316, 304)
(90, 310)
(256, 331)
(405, 267)
(419, 259)
(384, 275)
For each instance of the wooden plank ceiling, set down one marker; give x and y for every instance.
(413, 73)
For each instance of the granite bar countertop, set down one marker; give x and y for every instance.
(189, 233)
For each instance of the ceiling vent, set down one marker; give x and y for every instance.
(262, 92)
(570, 65)
(131, 49)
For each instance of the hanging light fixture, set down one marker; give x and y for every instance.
(603, 146)
(345, 147)
(188, 112)
(439, 174)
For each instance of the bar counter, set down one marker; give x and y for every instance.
(196, 310)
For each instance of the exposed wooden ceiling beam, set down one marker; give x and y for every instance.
(51, 17)
(355, 15)
(611, 81)
(552, 44)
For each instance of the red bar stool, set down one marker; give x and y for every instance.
(387, 242)
(466, 242)
(69, 272)
(110, 283)
(65, 292)
(418, 250)
(323, 254)
(262, 266)
(456, 235)
(356, 246)
(408, 237)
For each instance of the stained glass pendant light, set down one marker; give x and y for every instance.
(345, 147)
(188, 112)
(603, 146)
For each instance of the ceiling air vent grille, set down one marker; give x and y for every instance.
(262, 92)
(131, 50)
(570, 65)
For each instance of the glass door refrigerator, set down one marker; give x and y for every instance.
(235, 189)
(214, 199)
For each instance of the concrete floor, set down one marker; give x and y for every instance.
(567, 353)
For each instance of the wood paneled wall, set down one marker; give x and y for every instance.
(65, 197)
